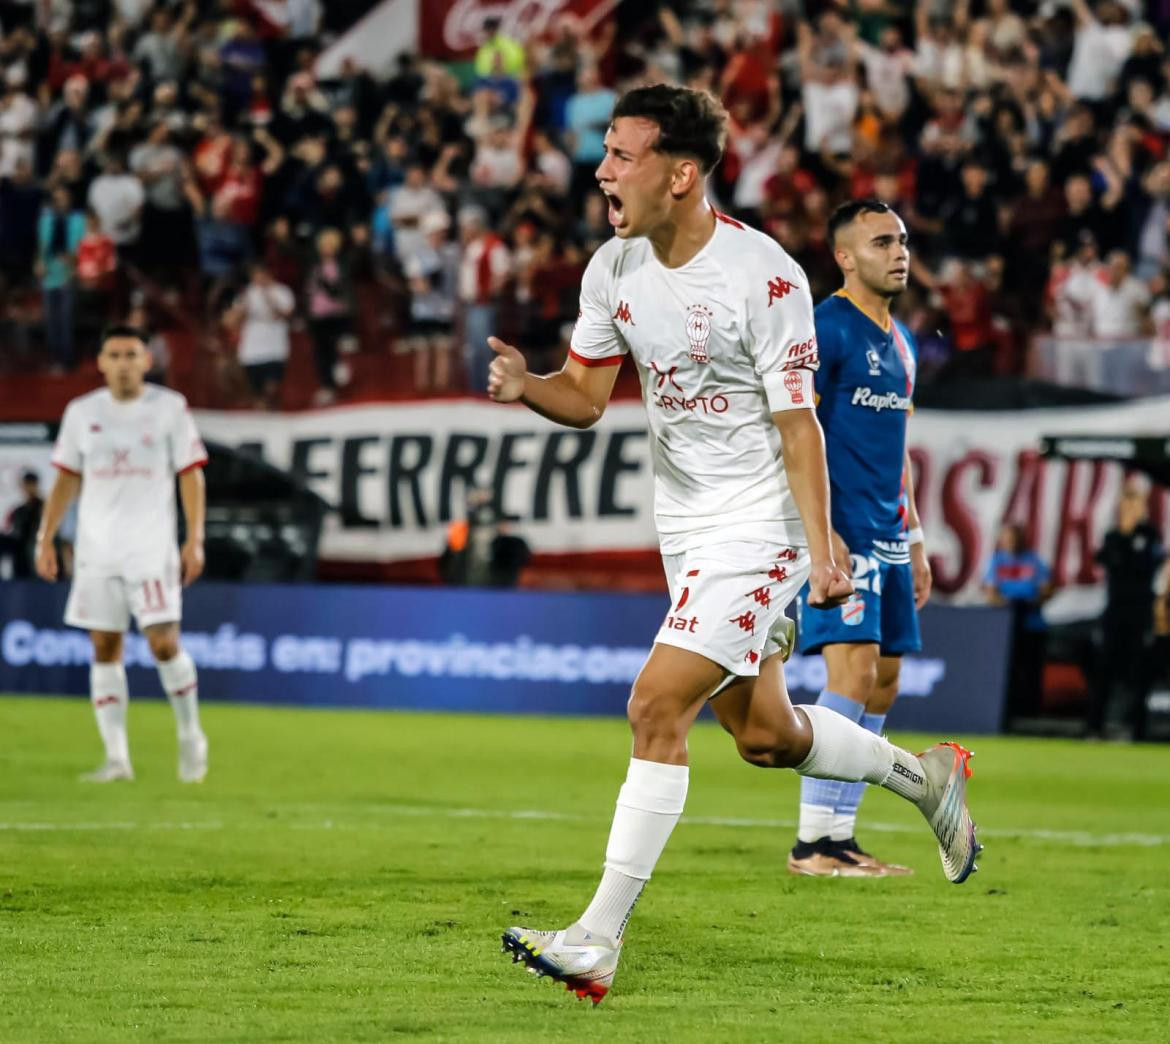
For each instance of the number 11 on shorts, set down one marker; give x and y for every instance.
(155, 599)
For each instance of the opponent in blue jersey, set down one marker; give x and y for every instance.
(864, 388)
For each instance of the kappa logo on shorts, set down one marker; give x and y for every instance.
(761, 595)
(752, 656)
(853, 611)
(746, 622)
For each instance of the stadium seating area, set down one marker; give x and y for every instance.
(149, 152)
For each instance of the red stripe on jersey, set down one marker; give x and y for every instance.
(728, 220)
(904, 355)
(193, 465)
(68, 471)
(584, 360)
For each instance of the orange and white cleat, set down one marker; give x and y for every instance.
(947, 768)
(585, 963)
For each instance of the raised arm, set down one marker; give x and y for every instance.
(575, 397)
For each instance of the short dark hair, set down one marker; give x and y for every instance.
(690, 123)
(128, 330)
(850, 211)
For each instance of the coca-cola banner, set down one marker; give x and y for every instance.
(399, 473)
(451, 29)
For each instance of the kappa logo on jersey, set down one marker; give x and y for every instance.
(699, 331)
(147, 440)
(95, 428)
(121, 458)
(623, 313)
(875, 362)
(779, 288)
(795, 386)
(667, 376)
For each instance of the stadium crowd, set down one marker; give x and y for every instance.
(181, 162)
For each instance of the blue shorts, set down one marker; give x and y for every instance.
(881, 610)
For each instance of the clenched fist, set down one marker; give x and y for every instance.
(829, 586)
(506, 374)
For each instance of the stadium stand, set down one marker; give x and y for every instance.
(199, 138)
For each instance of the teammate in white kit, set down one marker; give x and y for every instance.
(121, 448)
(719, 321)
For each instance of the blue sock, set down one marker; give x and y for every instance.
(824, 793)
(850, 794)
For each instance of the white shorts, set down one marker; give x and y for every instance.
(105, 603)
(728, 600)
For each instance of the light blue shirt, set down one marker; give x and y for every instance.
(588, 117)
(58, 271)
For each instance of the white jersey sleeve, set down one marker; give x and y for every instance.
(595, 340)
(186, 447)
(67, 452)
(783, 338)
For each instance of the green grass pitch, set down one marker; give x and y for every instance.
(344, 876)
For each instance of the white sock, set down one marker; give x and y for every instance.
(182, 689)
(109, 695)
(842, 826)
(816, 821)
(648, 806)
(844, 750)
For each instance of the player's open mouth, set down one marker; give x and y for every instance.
(617, 212)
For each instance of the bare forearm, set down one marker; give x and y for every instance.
(62, 494)
(808, 478)
(558, 399)
(912, 519)
(192, 491)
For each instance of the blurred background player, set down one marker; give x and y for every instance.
(1131, 555)
(121, 447)
(719, 321)
(1020, 579)
(864, 389)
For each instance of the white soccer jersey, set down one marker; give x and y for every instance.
(127, 454)
(720, 343)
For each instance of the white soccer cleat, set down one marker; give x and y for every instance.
(109, 772)
(945, 808)
(584, 963)
(193, 759)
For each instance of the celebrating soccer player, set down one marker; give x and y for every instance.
(864, 386)
(719, 321)
(121, 448)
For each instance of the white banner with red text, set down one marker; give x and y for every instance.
(398, 474)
